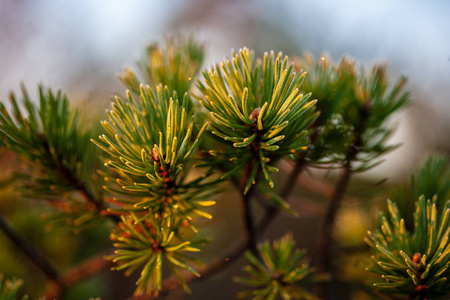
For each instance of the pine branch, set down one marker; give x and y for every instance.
(78, 273)
(325, 239)
(252, 232)
(65, 173)
(300, 164)
(35, 256)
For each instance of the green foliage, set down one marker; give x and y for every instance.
(150, 145)
(260, 113)
(52, 141)
(413, 265)
(174, 64)
(332, 85)
(354, 109)
(278, 272)
(9, 289)
(257, 110)
(380, 99)
(146, 243)
(433, 179)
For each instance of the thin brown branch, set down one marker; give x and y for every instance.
(330, 217)
(252, 233)
(78, 273)
(300, 164)
(308, 182)
(325, 238)
(35, 256)
(77, 183)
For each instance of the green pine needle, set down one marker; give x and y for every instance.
(413, 265)
(173, 64)
(150, 143)
(279, 272)
(256, 109)
(10, 289)
(56, 147)
(144, 242)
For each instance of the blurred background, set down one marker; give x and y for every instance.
(80, 47)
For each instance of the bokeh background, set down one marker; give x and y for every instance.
(80, 47)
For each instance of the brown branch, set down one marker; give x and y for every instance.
(35, 256)
(76, 183)
(78, 273)
(252, 234)
(300, 164)
(325, 238)
(309, 183)
(324, 262)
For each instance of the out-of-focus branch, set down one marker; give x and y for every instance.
(78, 273)
(325, 239)
(252, 233)
(36, 257)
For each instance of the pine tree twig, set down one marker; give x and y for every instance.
(333, 207)
(325, 238)
(65, 173)
(78, 273)
(172, 283)
(76, 183)
(36, 257)
(309, 183)
(247, 208)
(300, 164)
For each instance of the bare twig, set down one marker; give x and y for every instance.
(35, 256)
(252, 233)
(327, 229)
(78, 273)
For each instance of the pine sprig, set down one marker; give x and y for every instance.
(278, 273)
(413, 265)
(151, 146)
(332, 85)
(355, 106)
(257, 110)
(432, 179)
(381, 99)
(56, 147)
(146, 244)
(9, 289)
(174, 64)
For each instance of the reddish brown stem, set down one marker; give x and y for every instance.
(78, 273)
